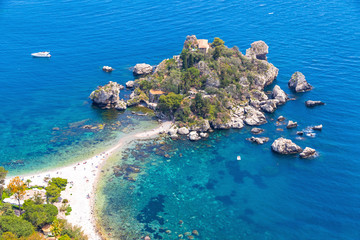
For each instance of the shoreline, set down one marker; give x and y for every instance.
(83, 177)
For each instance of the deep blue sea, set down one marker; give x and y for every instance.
(263, 196)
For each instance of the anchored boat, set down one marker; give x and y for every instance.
(41, 54)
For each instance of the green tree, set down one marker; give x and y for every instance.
(6, 210)
(57, 228)
(3, 174)
(59, 182)
(184, 58)
(16, 225)
(8, 236)
(170, 103)
(217, 52)
(52, 193)
(65, 237)
(28, 181)
(217, 42)
(39, 215)
(200, 105)
(18, 188)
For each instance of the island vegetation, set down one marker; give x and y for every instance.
(38, 216)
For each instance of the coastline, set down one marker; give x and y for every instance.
(82, 182)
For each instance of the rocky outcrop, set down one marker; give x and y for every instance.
(281, 118)
(172, 131)
(298, 83)
(311, 103)
(258, 50)
(269, 105)
(142, 69)
(120, 105)
(212, 80)
(201, 126)
(204, 135)
(194, 136)
(318, 127)
(257, 130)
(285, 146)
(279, 94)
(253, 116)
(258, 140)
(308, 153)
(300, 133)
(107, 97)
(291, 124)
(130, 84)
(262, 80)
(183, 131)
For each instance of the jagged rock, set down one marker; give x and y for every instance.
(130, 84)
(292, 124)
(258, 140)
(201, 126)
(262, 80)
(107, 96)
(300, 133)
(298, 83)
(318, 127)
(121, 87)
(152, 106)
(194, 136)
(183, 131)
(204, 135)
(142, 69)
(281, 118)
(255, 103)
(269, 105)
(220, 125)
(279, 94)
(120, 105)
(173, 130)
(311, 103)
(236, 122)
(258, 95)
(253, 116)
(308, 153)
(285, 146)
(212, 79)
(258, 50)
(257, 130)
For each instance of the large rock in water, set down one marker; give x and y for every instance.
(308, 153)
(142, 69)
(194, 136)
(254, 117)
(107, 97)
(311, 103)
(279, 94)
(298, 83)
(285, 146)
(258, 49)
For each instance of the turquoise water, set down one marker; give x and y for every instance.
(263, 196)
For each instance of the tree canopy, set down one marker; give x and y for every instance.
(39, 214)
(16, 225)
(18, 188)
(170, 103)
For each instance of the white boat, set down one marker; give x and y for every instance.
(41, 54)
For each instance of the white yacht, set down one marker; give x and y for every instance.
(41, 54)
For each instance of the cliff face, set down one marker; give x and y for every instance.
(220, 85)
(107, 96)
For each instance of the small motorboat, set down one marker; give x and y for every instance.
(107, 69)
(41, 54)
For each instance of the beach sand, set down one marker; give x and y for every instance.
(82, 178)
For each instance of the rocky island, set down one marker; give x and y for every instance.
(208, 86)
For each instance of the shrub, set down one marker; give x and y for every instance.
(39, 215)
(16, 225)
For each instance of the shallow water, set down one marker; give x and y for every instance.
(263, 196)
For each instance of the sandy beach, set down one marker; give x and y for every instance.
(82, 179)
